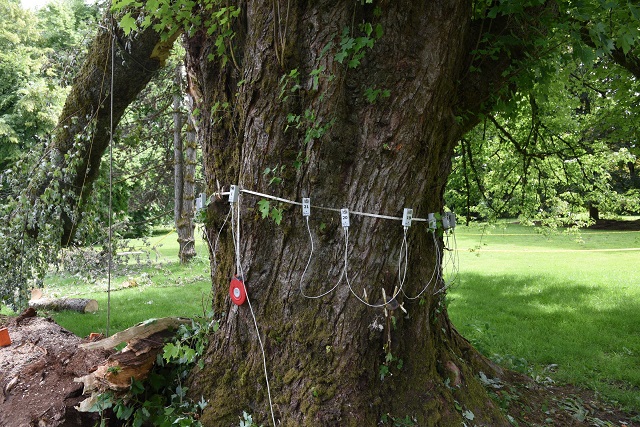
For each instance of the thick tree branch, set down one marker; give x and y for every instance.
(493, 64)
(85, 122)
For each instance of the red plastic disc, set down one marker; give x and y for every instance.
(237, 291)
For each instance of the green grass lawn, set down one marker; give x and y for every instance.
(562, 306)
(162, 287)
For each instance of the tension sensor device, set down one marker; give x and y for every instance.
(237, 291)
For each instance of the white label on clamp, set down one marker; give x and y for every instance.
(306, 206)
(234, 192)
(199, 203)
(445, 221)
(406, 217)
(344, 216)
(432, 221)
(203, 200)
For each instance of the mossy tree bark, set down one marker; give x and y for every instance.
(324, 355)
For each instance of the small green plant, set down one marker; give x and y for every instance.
(275, 173)
(352, 49)
(390, 361)
(114, 370)
(289, 84)
(273, 212)
(407, 421)
(247, 420)
(373, 95)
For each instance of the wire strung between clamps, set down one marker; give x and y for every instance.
(214, 247)
(438, 271)
(435, 274)
(307, 266)
(235, 219)
(453, 260)
(396, 291)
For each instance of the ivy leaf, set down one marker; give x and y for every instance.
(340, 56)
(263, 208)
(170, 352)
(120, 4)
(276, 215)
(128, 23)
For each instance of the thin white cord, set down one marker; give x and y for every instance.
(292, 202)
(402, 277)
(307, 266)
(214, 247)
(346, 275)
(451, 259)
(436, 267)
(236, 240)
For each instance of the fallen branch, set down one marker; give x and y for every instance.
(144, 342)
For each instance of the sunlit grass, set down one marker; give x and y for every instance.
(560, 299)
(160, 287)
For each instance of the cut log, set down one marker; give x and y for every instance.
(36, 293)
(82, 305)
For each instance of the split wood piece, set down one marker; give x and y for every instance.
(81, 305)
(36, 293)
(137, 332)
(144, 342)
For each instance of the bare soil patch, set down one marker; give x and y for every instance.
(37, 372)
(534, 405)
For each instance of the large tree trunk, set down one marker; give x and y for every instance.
(324, 356)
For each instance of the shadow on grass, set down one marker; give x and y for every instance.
(590, 333)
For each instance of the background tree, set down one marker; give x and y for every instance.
(28, 107)
(565, 146)
(34, 73)
(89, 114)
(184, 175)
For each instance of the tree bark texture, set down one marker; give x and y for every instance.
(324, 356)
(83, 131)
(184, 176)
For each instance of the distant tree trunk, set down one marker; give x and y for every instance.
(594, 212)
(190, 161)
(326, 357)
(83, 130)
(184, 175)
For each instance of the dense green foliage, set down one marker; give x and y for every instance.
(40, 54)
(37, 56)
(562, 139)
